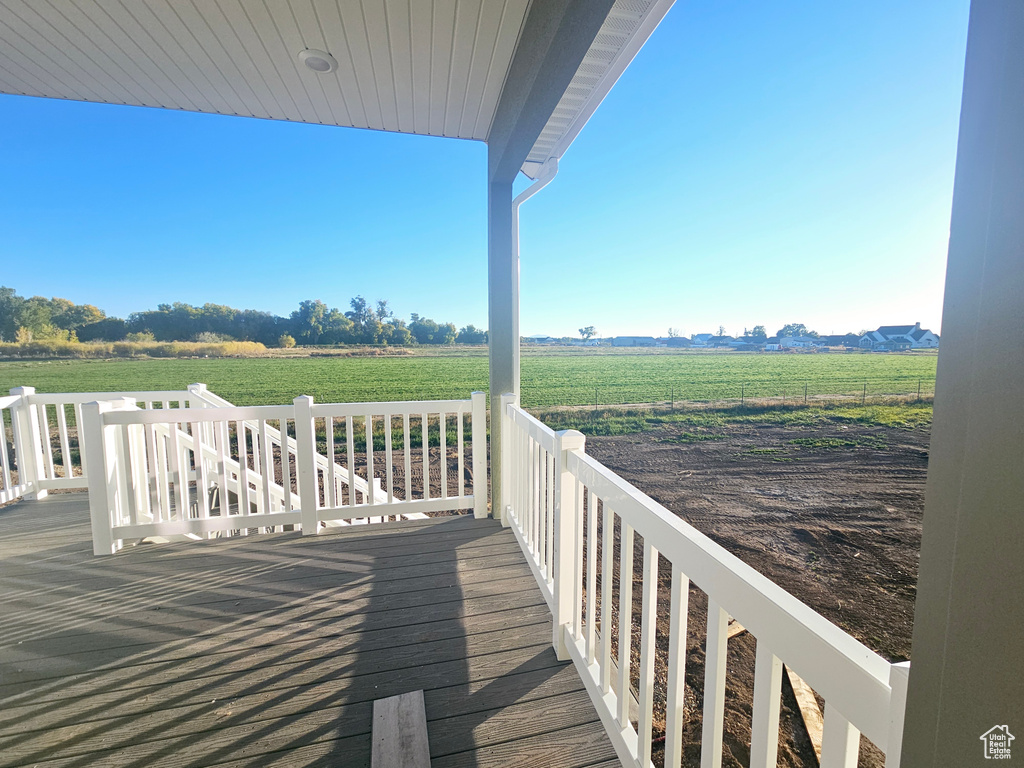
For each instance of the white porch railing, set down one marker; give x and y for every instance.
(234, 470)
(569, 512)
(48, 450)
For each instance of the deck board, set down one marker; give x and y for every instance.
(270, 650)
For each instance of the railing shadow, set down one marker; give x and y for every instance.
(257, 651)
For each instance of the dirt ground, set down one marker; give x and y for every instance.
(831, 513)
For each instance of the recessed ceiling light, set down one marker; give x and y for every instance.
(320, 62)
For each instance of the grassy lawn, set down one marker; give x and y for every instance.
(550, 376)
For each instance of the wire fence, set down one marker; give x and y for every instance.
(861, 390)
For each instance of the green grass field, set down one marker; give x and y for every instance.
(550, 377)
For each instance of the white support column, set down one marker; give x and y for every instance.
(305, 456)
(478, 436)
(564, 540)
(28, 446)
(967, 649)
(503, 302)
(502, 313)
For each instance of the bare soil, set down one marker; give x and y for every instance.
(831, 513)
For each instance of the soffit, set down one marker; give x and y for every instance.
(431, 67)
(625, 30)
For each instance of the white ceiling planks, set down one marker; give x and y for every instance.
(432, 67)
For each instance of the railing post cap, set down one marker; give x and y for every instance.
(303, 400)
(571, 440)
(102, 406)
(23, 391)
(198, 387)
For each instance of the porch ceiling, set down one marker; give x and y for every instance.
(433, 68)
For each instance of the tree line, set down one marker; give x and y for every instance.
(312, 323)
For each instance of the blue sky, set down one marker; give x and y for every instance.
(759, 163)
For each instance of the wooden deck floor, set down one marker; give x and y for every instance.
(269, 650)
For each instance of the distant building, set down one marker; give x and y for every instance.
(841, 340)
(772, 344)
(890, 338)
(541, 339)
(634, 341)
(700, 339)
(674, 341)
(798, 342)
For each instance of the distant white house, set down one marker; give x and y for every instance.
(798, 342)
(897, 337)
(541, 339)
(701, 339)
(772, 344)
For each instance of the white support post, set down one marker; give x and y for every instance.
(899, 676)
(102, 457)
(28, 447)
(305, 455)
(564, 550)
(505, 458)
(479, 438)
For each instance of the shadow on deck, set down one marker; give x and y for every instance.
(270, 649)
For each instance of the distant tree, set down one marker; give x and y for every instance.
(471, 335)
(794, 329)
(759, 332)
(400, 335)
(286, 341)
(588, 332)
(10, 313)
(107, 329)
(673, 333)
(308, 321)
(721, 330)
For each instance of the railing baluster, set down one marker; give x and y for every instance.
(5, 467)
(331, 481)
(459, 441)
(178, 473)
(443, 452)
(591, 622)
(202, 484)
(407, 457)
(44, 435)
(714, 686)
(625, 618)
(542, 510)
(607, 564)
(266, 465)
(389, 469)
(577, 582)
(676, 689)
(840, 741)
(77, 409)
(243, 469)
(163, 476)
(350, 456)
(223, 454)
(66, 464)
(368, 424)
(764, 731)
(286, 469)
(153, 475)
(648, 614)
(426, 456)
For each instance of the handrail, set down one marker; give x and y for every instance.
(561, 528)
(155, 473)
